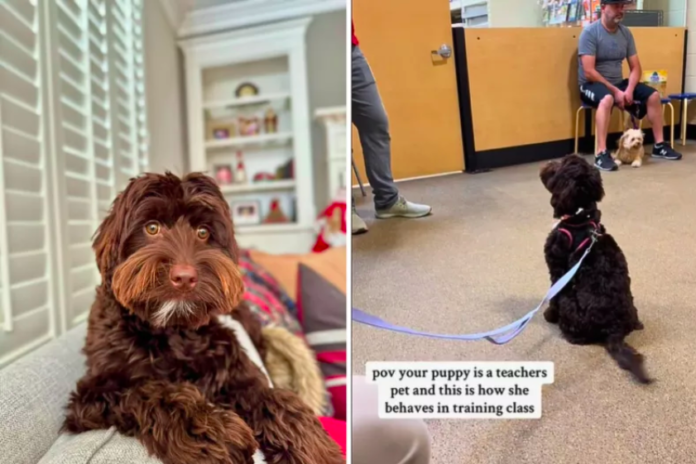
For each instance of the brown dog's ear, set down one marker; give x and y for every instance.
(620, 143)
(547, 173)
(107, 239)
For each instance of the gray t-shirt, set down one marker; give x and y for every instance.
(609, 50)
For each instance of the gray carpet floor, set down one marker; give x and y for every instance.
(477, 263)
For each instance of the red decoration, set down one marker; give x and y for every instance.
(332, 227)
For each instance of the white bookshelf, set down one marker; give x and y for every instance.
(271, 58)
(334, 121)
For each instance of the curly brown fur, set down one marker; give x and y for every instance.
(160, 365)
(597, 306)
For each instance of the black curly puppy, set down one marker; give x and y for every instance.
(596, 307)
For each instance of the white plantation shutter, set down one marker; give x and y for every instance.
(26, 251)
(72, 82)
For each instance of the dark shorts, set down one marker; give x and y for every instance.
(592, 93)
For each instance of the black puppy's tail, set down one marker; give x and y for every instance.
(627, 358)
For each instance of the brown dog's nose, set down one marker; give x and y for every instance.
(183, 277)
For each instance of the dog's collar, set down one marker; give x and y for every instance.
(566, 217)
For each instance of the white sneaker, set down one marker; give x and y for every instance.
(358, 226)
(403, 208)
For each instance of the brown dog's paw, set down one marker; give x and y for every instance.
(292, 434)
(179, 426)
(212, 436)
(227, 434)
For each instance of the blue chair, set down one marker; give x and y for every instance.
(668, 102)
(684, 98)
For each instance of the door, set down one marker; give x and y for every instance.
(418, 87)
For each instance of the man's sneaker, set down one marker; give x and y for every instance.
(358, 226)
(605, 162)
(664, 151)
(403, 208)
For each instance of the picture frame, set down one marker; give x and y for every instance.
(220, 130)
(246, 213)
(223, 174)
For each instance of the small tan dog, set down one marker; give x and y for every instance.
(630, 148)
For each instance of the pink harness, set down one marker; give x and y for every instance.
(587, 240)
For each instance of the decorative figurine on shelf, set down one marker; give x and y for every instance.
(240, 176)
(249, 126)
(271, 121)
(263, 177)
(286, 171)
(246, 89)
(275, 215)
(332, 226)
(223, 174)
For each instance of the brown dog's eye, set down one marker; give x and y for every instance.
(203, 233)
(152, 228)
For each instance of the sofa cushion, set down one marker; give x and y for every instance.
(266, 297)
(284, 268)
(103, 447)
(322, 312)
(34, 391)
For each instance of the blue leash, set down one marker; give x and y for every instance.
(499, 336)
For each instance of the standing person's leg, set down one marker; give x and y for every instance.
(370, 119)
(384, 441)
(598, 96)
(652, 106)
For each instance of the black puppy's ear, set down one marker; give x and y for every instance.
(547, 174)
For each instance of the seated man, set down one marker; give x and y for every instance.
(603, 46)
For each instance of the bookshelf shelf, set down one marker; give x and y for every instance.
(247, 101)
(240, 141)
(262, 186)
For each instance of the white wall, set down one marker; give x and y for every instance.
(690, 83)
(326, 75)
(514, 13)
(673, 11)
(165, 93)
(690, 75)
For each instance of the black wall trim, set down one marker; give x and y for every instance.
(481, 161)
(690, 133)
(464, 93)
(686, 42)
(502, 157)
(679, 125)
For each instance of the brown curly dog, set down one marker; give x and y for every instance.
(161, 366)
